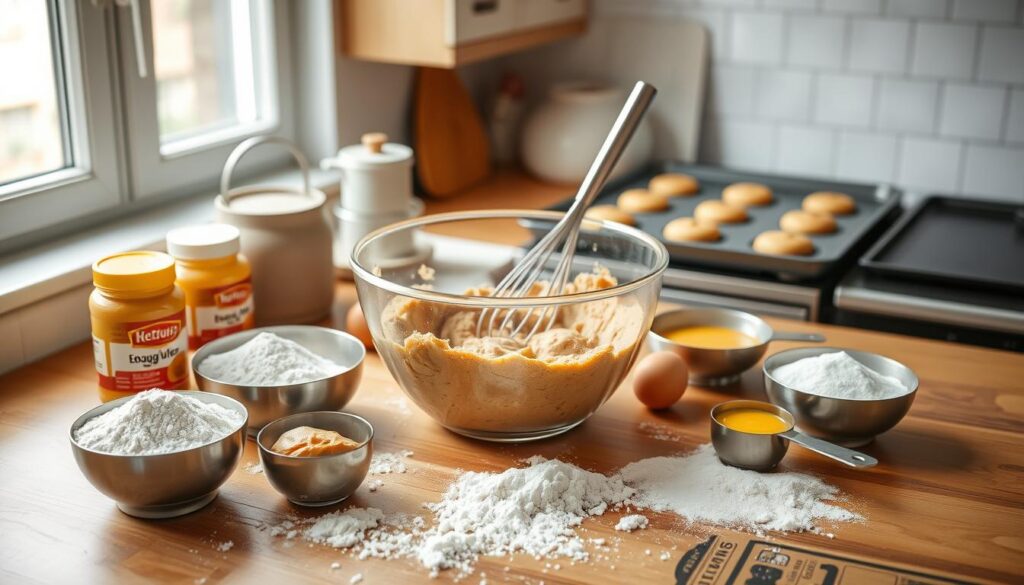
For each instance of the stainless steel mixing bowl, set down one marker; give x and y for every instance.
(847, 422)
(268, 403)
(323, 480)
(167, 485)
(718, 367)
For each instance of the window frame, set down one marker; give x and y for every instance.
(154, 174)
(92, 182)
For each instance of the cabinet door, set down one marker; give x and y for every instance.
(537, 13)
(467, 21)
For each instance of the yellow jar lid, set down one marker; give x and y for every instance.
(134, 271)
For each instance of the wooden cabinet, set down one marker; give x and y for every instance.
(449, 33)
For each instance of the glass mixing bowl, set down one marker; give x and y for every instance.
(423, 311)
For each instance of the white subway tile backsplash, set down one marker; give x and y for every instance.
(717, 24)
(805, 151)
(790, 4)
(929, 165)
(1002, 55)
(866, 157)
(879, 45)
(783, 95)
(907, 105)
(985, 10)
(732, 89)
(816, 41)
(943, 50)
(917, 8)
(995, 172)
(743, 145)
(971, 111)
(11, 354)
(844, 99)
(1015, 124)
(756, 37)
(853, 6)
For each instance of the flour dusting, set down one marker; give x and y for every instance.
(268, 360)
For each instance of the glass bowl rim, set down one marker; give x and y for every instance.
(660, 261)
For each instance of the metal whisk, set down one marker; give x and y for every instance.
(564, 235)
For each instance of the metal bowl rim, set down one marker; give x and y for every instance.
(737, 312)
(367, 441)
(88, 415)
(200, 356)
(904, 396)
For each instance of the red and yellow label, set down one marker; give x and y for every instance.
(216, 312)
(148, 355)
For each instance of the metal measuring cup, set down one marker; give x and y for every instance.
(763, 451)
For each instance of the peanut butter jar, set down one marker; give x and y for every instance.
(139, 335)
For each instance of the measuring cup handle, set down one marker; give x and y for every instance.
(793, 336)
(831, 450)
(250, 143)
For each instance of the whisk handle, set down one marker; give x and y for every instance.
(622, 131)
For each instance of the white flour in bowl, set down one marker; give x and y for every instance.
(268, 360)
(535, 510)
(837, 375)
(156, 422)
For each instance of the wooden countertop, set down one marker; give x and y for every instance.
(947, 496)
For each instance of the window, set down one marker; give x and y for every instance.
(108, 107)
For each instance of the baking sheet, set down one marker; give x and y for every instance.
(959, 241)
(733, 251)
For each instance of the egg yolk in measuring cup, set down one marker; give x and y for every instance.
(753, 420)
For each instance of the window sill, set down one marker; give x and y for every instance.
(43, 288)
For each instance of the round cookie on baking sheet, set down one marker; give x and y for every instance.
(747, 194)
(780, 243)
(610, 213)
(829, 202)
(798, 221)
(716, 211)
(673, 184)
(688, 229)
(641, 201)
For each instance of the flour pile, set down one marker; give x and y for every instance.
(837, 375)
(156, 422)
(535, 510)
(700, 488)
(384, 463)
(268, 360)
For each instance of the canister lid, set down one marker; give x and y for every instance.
(203, 242)
(374, 152)
(134, 271)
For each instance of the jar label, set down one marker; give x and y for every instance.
(152, 354)
(220, 311)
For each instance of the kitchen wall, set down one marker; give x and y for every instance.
(927, 94)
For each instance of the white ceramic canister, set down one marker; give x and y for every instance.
(562, 136)
(286, 236)
(376, 176)
(376, 190)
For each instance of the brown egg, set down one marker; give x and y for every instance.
(355, 323)
(660, 379)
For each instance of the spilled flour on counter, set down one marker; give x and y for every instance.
(536, 509)
(384, 463)
(700, 488)
(268, 360)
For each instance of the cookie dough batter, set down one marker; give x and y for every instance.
(830, 202)
(687, 229)
(610, 213)
(673, 184)
(641, 201)
(498, 384)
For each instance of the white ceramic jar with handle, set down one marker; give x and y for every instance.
(563, 134)
(285, 234)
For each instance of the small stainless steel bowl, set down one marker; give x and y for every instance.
(851, 423)
(268, 403)
(166, 485)
(718, 367)
(317, 481)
